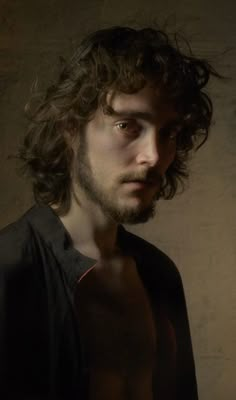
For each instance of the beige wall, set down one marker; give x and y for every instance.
(197, 229)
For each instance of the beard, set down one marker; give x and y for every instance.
(105, 199)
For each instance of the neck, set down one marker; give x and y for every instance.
(93, 234)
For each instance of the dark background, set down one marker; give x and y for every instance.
(198, 228)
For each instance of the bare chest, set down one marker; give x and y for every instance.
(116, 321)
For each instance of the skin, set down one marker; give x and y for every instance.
(116, 153)
(128, 146)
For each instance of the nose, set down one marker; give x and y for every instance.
(149, 151)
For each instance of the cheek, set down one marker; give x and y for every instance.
(106, 159)
(109, 153)
(102, 144)
(112, 156)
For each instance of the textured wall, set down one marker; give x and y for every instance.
(196, 229)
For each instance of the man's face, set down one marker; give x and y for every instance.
(122, 158)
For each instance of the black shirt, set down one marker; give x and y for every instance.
(41, 356)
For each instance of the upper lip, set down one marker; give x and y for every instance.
(147, 181)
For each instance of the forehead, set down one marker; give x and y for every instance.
(149, 100)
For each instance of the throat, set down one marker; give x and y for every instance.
(96, 252)
(91, 237)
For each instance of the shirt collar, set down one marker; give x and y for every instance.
(53, 233)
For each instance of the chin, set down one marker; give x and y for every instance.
(135, 215)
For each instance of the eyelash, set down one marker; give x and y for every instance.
(171, 133)
(166, 133)
(135, 128)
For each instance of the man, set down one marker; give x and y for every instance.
(89, 310)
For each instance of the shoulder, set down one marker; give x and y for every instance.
(159, 274)
(16, 244)
(153, 260)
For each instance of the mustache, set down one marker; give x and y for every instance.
(149, 176)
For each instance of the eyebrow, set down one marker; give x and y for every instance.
(144, 115)
(133, 114)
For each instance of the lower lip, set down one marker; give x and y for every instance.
(138, 185)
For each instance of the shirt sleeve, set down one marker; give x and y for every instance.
(185, 367)
(20, 334)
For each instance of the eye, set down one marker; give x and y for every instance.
(170, 133)
(122, 126)
(173, 135)
(129, 128)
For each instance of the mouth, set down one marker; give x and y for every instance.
(140, 184)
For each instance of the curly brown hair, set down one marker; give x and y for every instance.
(120, 59)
